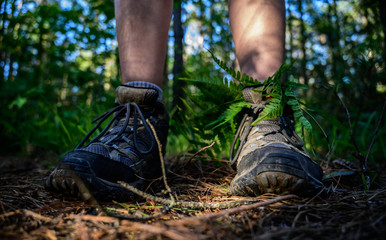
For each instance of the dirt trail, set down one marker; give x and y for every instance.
(29, 211)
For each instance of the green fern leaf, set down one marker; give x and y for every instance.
(229, 114)
(270, 111)
(238, 75)
(305, 123)
(292, 102)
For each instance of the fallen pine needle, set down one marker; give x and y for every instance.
(210, 216)
(185, 204)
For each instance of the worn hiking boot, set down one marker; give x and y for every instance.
(125, 150)
(270, 157)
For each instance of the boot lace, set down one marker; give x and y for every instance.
(132, 111)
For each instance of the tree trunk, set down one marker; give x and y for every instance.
(178, 85)
(290, 27)
(303, 37)
(382, 15)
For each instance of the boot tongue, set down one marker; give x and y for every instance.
(141, 96)
(253, 95)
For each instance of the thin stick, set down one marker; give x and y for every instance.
(201, 150)
(162, 161)
(210, 216)
(185, 204)
(36, 216)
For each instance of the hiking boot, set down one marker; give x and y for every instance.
(125, 150)
(270, 157)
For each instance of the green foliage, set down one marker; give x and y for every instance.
(203, 107)
(229, 114)
(271, 88)
(59, 67)
(293, 101)
(213, 112)
(57, 71)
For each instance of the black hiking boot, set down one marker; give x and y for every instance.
(270, 157)
(125, 150)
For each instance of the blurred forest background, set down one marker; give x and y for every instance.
(59, 70)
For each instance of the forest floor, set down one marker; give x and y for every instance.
(343, 211)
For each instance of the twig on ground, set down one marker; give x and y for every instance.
(210, 216)
(184, 204)
(162, 161)
(201, 150)
(115, 213)
(8, 214)
(36, 216)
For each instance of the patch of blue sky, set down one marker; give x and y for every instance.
(102, 17)
(7, 8)
(71, 56)
(113, 43)
(70, 25)
(193, 39)
(321, 53)
(6, 70)
(69, 4)
(346, 80)
(310, 66)
(75, 89)
(68, 36)
(66, 4)
(188, 7)
(101, 49)
(99, 69)
(28, 6)
(80, 28)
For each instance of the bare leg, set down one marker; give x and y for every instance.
(258, 28)
(142, 32)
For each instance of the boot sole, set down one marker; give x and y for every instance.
(271, 182)
(276, 170)
(76, 178)
(280, 183)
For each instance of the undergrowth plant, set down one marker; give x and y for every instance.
(279, 94)
(218, 103)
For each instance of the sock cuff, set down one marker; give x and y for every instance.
(142, 84)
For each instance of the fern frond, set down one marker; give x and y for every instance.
(272, 110)
(244, 79)
(222, 109)
(207, 80)
(295, 105)
(229, 114)
(295, 85)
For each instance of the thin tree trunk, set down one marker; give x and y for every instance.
(178, 85)
(382, 15)
(331, 36)
(165, 77)
(303, 37)
(289, 24)
(338, 52)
